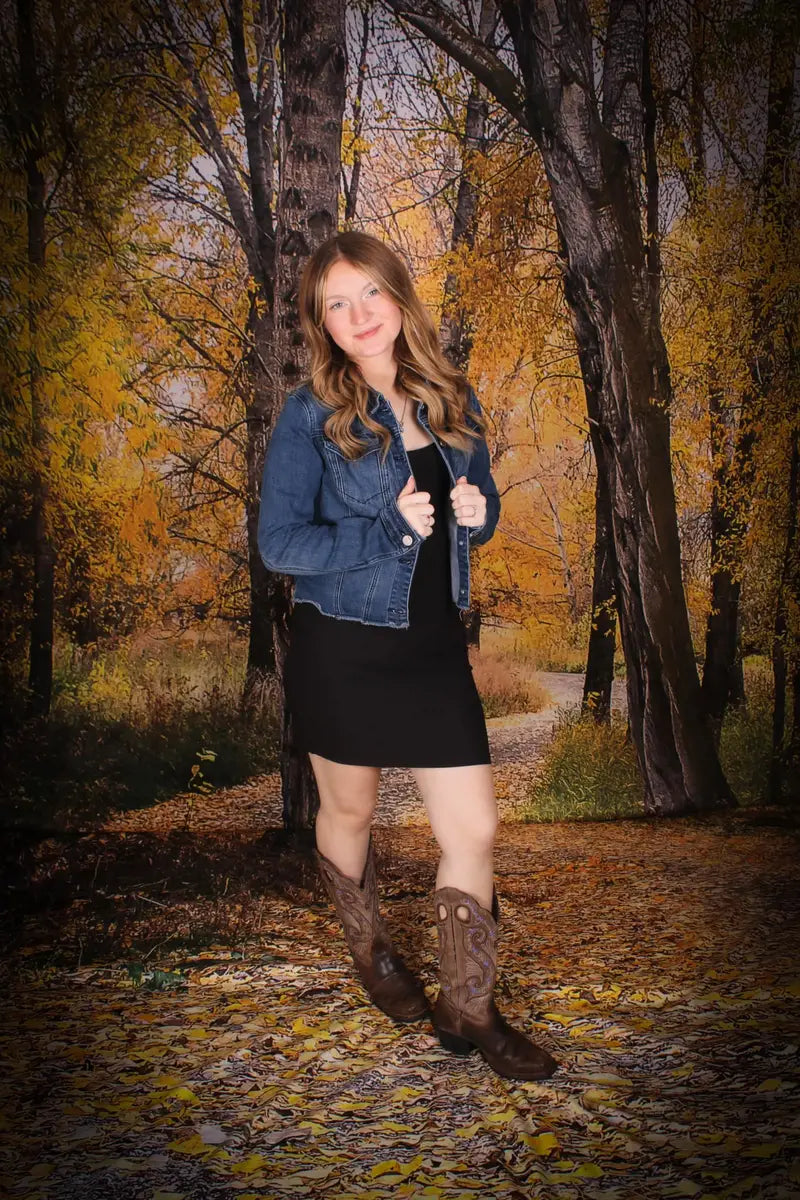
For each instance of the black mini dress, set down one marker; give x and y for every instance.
(379, 696)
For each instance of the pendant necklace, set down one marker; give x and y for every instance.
(401, 419)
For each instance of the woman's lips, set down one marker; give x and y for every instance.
(368, 332)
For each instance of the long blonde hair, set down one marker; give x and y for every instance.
(423, 372)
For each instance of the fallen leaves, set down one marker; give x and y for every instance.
(265, 1072)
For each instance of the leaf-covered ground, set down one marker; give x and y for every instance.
(181, 1019)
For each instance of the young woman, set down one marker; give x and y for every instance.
(376, 483)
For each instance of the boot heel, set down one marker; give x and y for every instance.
(455, 1044)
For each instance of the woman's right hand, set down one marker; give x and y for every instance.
(416, 508)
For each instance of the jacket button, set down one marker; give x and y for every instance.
(407, 539)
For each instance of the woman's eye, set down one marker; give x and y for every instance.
(372, 291)
(335, 304)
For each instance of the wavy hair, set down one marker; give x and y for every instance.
(423, 372)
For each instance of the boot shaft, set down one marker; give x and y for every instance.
(467, 935)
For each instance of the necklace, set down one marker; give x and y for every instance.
(401, 419)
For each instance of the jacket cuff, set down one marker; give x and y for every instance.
(398, 527)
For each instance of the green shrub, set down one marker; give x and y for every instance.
(589, 772)
(745, 746)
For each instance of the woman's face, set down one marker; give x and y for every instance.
(359, 316)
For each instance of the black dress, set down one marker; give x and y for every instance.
(375, 695)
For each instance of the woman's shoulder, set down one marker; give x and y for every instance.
(305, 396)
(303, 404)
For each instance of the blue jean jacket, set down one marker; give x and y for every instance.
(334, 523)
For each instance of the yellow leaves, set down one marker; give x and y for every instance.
(762, 1150)
(559, 1018)
(394, 1117)
(180, 1093)
(407, 1093)
(398, 1168)
(540, 1143)
(42, 1170)
(468, 1131)
(150, 1052)
(251, 1164)
(190, 1145)
(589, 1171)
(502, 1117)
(313, 1127)
(684, 1187)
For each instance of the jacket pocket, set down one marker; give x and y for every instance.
(358, 480)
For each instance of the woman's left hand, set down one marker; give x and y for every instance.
(469, 503)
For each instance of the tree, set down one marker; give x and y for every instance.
(613, 297)
(254, 87)
(73, 156)
(310, 165)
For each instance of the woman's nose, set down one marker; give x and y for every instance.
(359, 313)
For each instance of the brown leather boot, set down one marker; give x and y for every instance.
(465, 1015)
(390, 984)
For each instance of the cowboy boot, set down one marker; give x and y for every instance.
(390, 984)
(465, 1015)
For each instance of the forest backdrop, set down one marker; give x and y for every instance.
(599, 211)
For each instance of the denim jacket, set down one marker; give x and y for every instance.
(334, 523)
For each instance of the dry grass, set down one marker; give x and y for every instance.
(507, 682)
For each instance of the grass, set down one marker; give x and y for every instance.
(550, 648)
(589, 773)
(135, 724)
(746, 740)
(506, 682)
(132, 726)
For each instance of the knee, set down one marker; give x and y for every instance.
(354, 810)
(483, 833)
(475, 835)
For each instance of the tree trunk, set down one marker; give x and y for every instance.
(314, 61)
(40, 668)
(351, 189)
(730, 447)
(255, 227)
(732, 444)
(790, 571)
(611, 288)
(594, 192)
(455, 329)
(599, 676)
(626, 98)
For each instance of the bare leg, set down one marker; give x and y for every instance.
(462, 810)
(347, 798)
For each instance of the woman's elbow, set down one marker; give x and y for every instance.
(272, 548)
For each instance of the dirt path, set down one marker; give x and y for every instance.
(515, 743)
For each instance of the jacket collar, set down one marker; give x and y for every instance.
(374, 401)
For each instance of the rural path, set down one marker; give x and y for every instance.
(516, 742)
